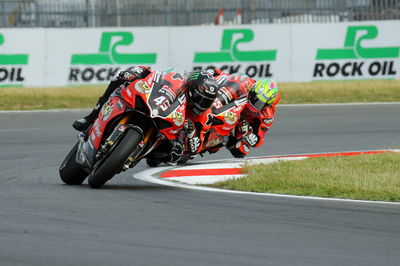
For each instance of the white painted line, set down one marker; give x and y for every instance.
(203, 180)
(238, 164)
(282, 156)
(189, 174)
(212, 165)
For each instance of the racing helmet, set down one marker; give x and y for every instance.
(262, 94)
(201, 91)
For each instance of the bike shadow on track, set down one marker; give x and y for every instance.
(138, 187)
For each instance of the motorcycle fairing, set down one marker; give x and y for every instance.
(226, 119)
(229, 115)
(158, 98)
(90, 143)
(165, 99)
(111, 109)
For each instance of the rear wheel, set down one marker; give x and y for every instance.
(71, 172)
(113, 162)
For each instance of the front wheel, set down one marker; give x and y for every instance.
(71, 172)
(113, 162)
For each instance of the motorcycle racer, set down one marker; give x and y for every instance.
(226, 109)
(200, 89)
(257, 116)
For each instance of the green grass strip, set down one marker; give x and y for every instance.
(340, 92)
(49, 98)
(363, 177)
(291, 93)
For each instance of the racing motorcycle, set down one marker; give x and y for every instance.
(133, 122)
(224, 120)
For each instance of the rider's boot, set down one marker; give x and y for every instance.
(153, 162)
(84, 124)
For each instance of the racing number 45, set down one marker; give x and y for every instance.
(162, 102)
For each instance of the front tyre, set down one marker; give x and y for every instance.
(113, 162)
(71, 172)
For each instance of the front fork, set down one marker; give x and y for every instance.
(116, 135)
(139, 150)
(87, 158)
(147, 134)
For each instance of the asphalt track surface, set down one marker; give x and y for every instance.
(131, 222)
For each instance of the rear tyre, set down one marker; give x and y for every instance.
(113, 162)
(71, 172)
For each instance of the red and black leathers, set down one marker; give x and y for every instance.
(259, 124)
(226, 108)
(252, 127)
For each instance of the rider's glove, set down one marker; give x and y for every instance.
(133, 73)
(247, 132)
(251, 139)
(176, 151)
(189, 129)
(214, 72)
(244, 128)
(193, 141)
(194, 145)
(127, 75)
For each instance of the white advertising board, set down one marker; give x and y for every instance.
(22, 54)
(94, 56)
(286, 53)
(346, 51)
(251, 50)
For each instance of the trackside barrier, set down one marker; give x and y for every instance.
(286, 53)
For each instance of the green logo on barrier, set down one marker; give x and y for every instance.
(353, 49)
(12, 59)
(108, 54)
(230, 53)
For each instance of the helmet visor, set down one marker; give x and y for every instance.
(200, 102)
(256, 103)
